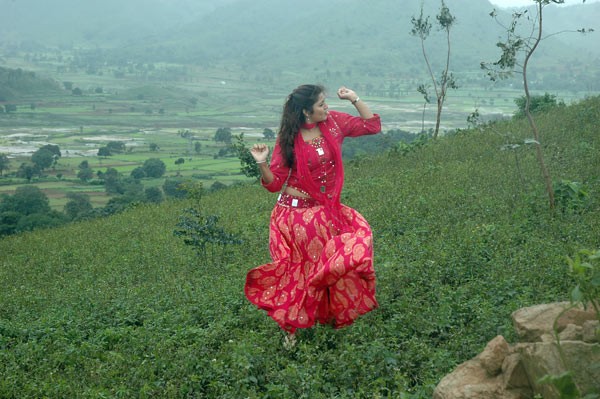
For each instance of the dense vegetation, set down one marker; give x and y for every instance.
(120, 307)
(15, 82)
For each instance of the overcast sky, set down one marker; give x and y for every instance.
(519, 3)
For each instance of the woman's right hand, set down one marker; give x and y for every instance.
(260, 152)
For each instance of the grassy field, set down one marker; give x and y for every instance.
(463, 237)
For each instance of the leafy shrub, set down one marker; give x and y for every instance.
(570, 195)
(203, 233)
(539, 103)
(585, 270)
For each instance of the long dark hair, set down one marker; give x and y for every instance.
(301, 99)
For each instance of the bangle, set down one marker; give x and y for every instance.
(261, 161)
(355, 101)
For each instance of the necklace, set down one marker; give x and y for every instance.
(308, 126)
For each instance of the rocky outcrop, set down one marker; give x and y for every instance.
(504, 371)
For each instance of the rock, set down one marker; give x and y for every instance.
(571, 333)
(541, 359)
(590, 331)
(547, 337)
(493, 355)
(577, 316)
(470, 381)
(533, 322)
(514, 374)
(503, 371)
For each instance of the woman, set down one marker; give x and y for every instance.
(322, 268)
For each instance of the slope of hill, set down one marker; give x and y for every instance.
(463, 237)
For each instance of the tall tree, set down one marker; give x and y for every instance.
(78, 206)
(42, 158)
(223, 135)
(422, 29)
(26, 200)
(154, 167)
(115, 146)
(516, 55)
(268, 134)
(85, 172)
(27, 171)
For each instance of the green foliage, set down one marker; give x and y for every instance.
(154, 167)
(204, 234)
(104, 152)
(28, 209)
(378, 144)
(115, 147)
(17, 82)
(138, 173)
(78, 206)
(26, 200)
(268, 134)
(85, 172)
(585, 270)
(153, 195)
(570, 196)
(223, 135)
(113, 181)
(42, 158)
(174, 187)
(564, 384)
(27, 171)
(404, 148)
(540, 103)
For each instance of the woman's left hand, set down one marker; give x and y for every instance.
(345, 93)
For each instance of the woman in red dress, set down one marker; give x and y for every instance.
(321, 250)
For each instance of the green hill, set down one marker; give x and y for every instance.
(120, 307)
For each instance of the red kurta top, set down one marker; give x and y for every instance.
(321, 162)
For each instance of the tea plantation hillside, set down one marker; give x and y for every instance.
(120, 307)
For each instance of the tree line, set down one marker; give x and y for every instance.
(29, 207)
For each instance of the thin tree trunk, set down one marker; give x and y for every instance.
(536, 135)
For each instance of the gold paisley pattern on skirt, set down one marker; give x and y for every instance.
(315, 275)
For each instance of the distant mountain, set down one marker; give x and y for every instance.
(339, 37)
(353, 34)
(102, 23)
(567, 19)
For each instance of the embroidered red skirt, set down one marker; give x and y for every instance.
(316, 275)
